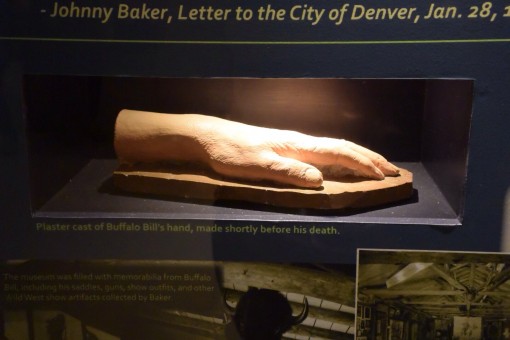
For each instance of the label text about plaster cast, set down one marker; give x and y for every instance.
(305, 13)
(157, 227)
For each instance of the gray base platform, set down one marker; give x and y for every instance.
(90, 194)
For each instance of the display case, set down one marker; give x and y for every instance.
(421, 125)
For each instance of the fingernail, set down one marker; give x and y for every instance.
(393, 168)
(379, 174)
(313, 176)
(390, 169)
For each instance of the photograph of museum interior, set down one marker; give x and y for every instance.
(248, 301)
(432, 295)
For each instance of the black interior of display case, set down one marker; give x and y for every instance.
(419, 124)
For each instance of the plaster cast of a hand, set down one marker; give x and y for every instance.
(241, 151)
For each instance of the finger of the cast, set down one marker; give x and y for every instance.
(386, 167)
(270, 166)
(329, 151)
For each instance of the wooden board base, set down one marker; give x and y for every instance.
(348, 192)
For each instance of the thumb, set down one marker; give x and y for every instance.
(291, 171)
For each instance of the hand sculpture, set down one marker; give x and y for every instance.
(241, 151)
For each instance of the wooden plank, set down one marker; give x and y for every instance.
(407, 273)
(409, 256)
(337, 288)
(185, 182)
(445, 276)
(401, 292)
